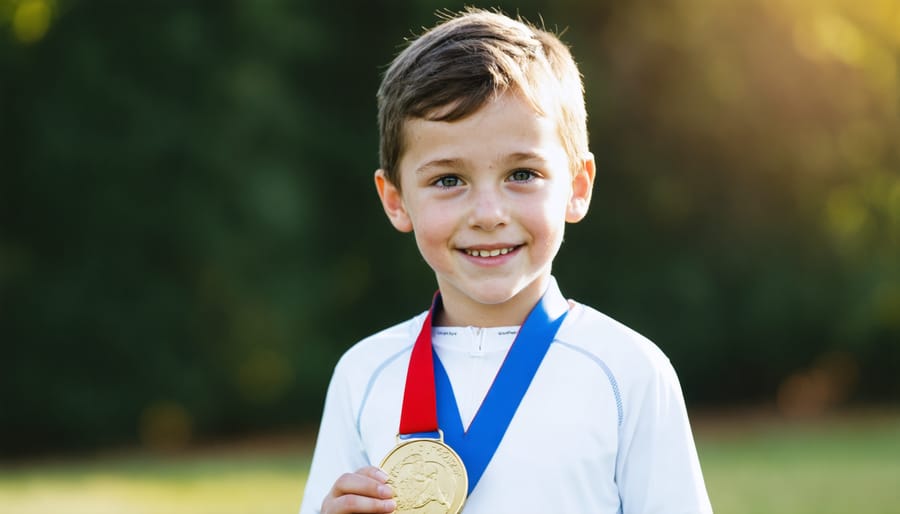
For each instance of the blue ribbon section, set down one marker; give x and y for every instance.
(477, 445)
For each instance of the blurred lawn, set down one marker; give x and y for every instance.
(751, 467)
(246, 480)
(842, 466)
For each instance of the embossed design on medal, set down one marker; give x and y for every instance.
(427, 477)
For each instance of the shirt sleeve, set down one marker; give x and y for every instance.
(339, 448)
(657, 469)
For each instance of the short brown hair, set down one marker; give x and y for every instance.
(469, 58)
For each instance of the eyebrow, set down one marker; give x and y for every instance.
(525, 156)
(455, 163)
(439, 163)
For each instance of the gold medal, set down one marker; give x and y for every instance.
(427, 476)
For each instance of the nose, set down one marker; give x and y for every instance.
(488, 209)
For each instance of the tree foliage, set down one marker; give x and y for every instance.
(189, 237)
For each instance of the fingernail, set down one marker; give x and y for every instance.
(385, 491)
(381, 475)
(390, 505)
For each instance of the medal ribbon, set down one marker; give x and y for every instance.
(429, 397)
(419, 412)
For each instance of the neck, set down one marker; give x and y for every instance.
(460, 310)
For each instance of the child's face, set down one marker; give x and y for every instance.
(487, 197)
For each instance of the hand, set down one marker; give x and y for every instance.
(365, 490)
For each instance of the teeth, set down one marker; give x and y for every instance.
(489, 253)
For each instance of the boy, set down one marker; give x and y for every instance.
(484, 158)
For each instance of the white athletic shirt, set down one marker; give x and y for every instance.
(602, 428)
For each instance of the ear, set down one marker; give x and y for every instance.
(392, 201)
(582, 186)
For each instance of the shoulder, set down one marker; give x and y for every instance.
(627, 355)
(367, 356)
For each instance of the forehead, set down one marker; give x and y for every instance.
(506, 126)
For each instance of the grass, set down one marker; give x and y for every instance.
(751, 467)
(221, 482)
(840, 467)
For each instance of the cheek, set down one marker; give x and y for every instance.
(433, 230)
(547, 224)
(545, 218)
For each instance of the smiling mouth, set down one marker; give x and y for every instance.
(475, 252)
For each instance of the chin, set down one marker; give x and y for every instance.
(486, 293)
(495, 294)
(492, 298)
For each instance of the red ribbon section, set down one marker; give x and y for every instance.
(419, 412)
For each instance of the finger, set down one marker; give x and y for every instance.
(356, 504)
(362, 491)
(368, 481)
(374, 473)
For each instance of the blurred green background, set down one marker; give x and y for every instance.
(189, 236)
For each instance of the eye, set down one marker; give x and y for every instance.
(522, 176)
(448, 181)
